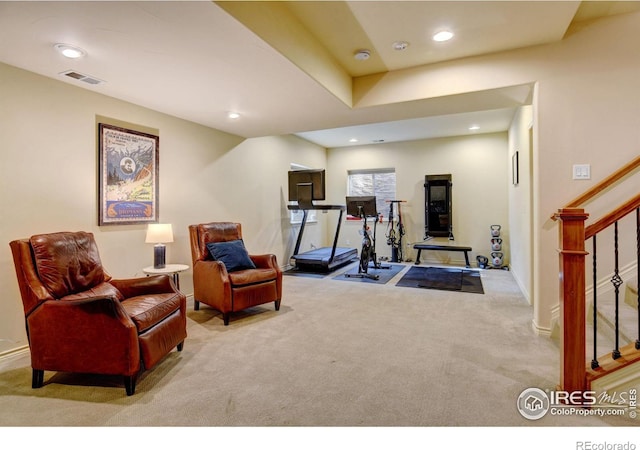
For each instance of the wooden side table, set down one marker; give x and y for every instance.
(169, 269)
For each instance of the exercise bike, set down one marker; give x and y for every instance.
(365, 207)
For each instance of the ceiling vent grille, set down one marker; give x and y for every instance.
(81, 77)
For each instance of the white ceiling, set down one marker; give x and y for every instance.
(197, 60)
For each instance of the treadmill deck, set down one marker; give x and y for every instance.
(319, 259)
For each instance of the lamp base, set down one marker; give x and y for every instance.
(159, 252)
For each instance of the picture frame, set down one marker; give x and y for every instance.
(128, 176)
(515, 169)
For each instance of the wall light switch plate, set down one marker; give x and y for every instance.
(582, 171)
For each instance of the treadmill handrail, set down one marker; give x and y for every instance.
(317, 208)
(335, 238)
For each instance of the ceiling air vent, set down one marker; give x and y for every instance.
(81, 77)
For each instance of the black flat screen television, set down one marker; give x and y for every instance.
(304, 182)
(367, 202)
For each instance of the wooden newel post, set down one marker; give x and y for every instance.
(572, 299)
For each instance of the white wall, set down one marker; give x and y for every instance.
(479, 168)
(48, 180)
(520, 199)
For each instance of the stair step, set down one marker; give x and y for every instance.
(629, 355)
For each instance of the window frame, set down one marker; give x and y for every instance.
(379, 200)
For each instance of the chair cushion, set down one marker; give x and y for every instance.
(250, 277)
(233, 254)
(67, 262)
(147, 310)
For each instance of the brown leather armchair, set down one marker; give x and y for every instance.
(81, 320)
(231, 290)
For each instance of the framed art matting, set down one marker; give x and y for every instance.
(128, 181)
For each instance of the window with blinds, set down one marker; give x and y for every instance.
(378, 182)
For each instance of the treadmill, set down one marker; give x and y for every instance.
(324, 259)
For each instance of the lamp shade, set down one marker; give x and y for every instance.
(159, 233)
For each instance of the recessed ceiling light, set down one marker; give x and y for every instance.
(474, 127)
(362, 55)
(400, 45)
(442, 36)
(70, 51)
(233, 115)
(353, 140)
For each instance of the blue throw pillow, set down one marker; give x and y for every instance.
(233, 254)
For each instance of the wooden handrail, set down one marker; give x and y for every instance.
(612, 217)
(604, 184)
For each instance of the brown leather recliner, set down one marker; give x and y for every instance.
(81, 320)
(231, 290)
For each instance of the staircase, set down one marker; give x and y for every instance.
(612, 313)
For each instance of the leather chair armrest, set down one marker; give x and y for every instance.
(267, 261)
(104, 339)
(82, 310)
(211, 283)
(157, 284)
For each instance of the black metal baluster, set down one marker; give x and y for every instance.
(594, 361)
(638, 273)
(616, 281)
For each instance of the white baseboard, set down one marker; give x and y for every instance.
(541, 331)
(8, 357)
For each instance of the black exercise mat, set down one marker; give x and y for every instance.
(384, 275)
(443, 278)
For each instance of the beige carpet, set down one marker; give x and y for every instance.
(336, 354)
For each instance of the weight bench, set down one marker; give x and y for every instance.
(444, 248)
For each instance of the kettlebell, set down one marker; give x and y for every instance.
(496, 244)
(483, 261)
(495, 230)
(496, 258)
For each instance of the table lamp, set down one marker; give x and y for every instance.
(159, 234)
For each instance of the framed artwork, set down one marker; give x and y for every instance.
(128, 178)
(515, 169)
